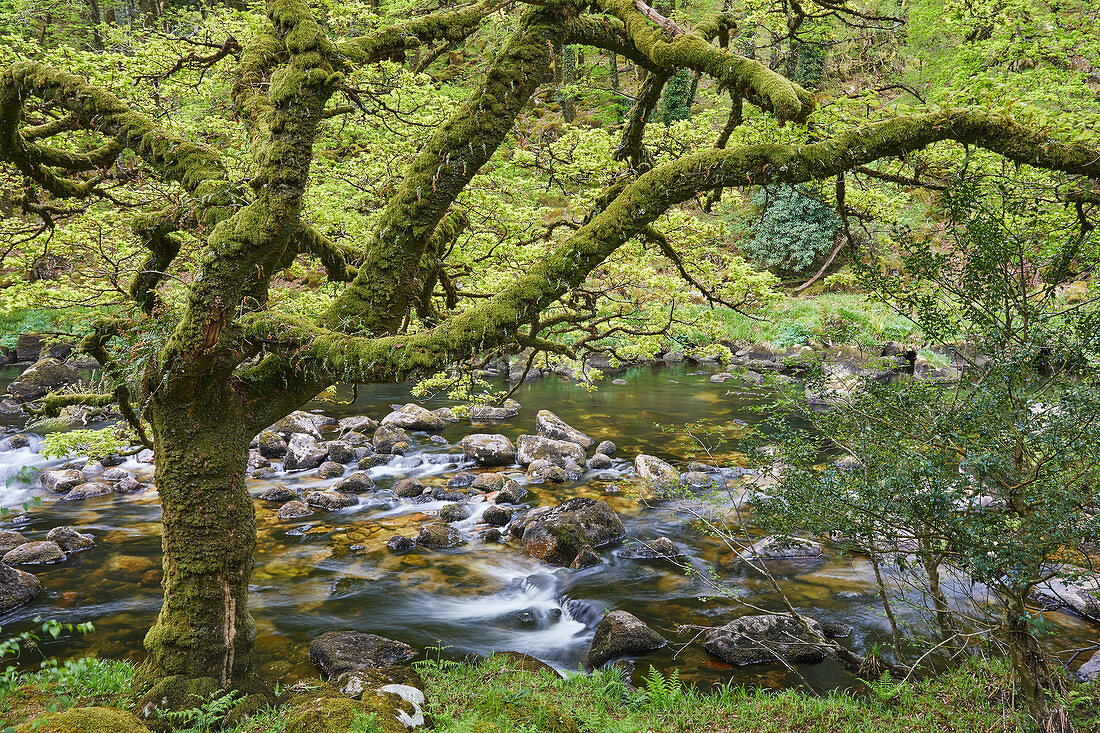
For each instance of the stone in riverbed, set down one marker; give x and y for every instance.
(298, 421)
(461, 480)
(544, 470)
(620, 634)
(391, 439)
(87, 490)
(489, 449)
(600, 462)
(16, 587)
(497, 516)
(557, 535)
(399, 543)
(766, 638)
(1081, 597)
(438, 536)
(509, 409)
(661, 548)
(43, 376)
(531, 448)
(374, 459)
(357, 483)
(454, 512)
(414, 417)
(70, 540)
(10, 539)
(330, 469)
(549, 425)
(340, 451)
(486, 482)
(62, 481)
(441, 493)
(586, 558)
(783, 548)
(330, 501)
(653, 469)
(357, 424)
(112, 475)
(303, 453)
(280, 494)
(294, 510)
(512, 493)
(339, 652)
(271, 444)
(35, 553)
(409, 487)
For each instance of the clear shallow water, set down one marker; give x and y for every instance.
(478, 598)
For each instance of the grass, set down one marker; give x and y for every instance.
(496, 697)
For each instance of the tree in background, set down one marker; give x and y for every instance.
(991, 484)
(201, 354)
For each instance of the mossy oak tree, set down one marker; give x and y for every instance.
(230, 365)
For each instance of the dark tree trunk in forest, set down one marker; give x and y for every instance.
(1036, 679)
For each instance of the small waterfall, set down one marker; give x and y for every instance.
(19, 469)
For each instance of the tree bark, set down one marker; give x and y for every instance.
(1030, 665)
(203, 638)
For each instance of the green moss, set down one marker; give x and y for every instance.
(85, 720)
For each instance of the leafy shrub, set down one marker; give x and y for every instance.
(95, 443)
(796, 229)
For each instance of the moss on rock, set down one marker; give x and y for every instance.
(85, 720)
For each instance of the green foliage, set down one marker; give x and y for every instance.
(677, 97)
(796, 229)
(202, 718)
(94, 443)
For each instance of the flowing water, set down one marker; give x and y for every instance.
(332, 571)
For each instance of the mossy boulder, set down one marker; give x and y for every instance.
(88, 490)
(557, 535)
(620, 634)
(298, 421)
(16, 587)
(35, 553)
(62, 480)
(489, 449)
(70, 540)
(303, 453)
(85, 720)
(330, 469)
(10, 539)
(409, 488)
(341, 652)
(330, 501)
(357, 483)
(764, 638)
(42, 377)
(531, 448)
(438, 536)
(549, 425)
(658, 472)
(390, 439)
(414, 417)
(271, 444)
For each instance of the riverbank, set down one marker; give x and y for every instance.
(498, 695)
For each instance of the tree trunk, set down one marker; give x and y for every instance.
(1032, 671)
(202, 640)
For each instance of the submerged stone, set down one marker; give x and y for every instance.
(620, 634)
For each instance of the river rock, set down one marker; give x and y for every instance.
(16, 587)
(454, 512)
(487, 482)
(549, 425)
(357, 483)
(600, 462)
(497, 516)
(35, 553)
(512, 493)
(400, 543)
(557, 535)
(1090, 670)
(294, 510)
(438, 536)
(697, 480)
(87, 491)
(720, 377)
(409, 487)
(339, 652)
(280, 494)
(130, 484)
(509, 409)
(533, 447)
(661, 548)
(766, 638)
(340, 451)
(271, 444)
(586, 558)
(10, 539)
(442, 493)
(1081, 597)
(606, 447)
(660, 473)
(303, 453)
(330, 501)
(414, 417)
(619, 634)
(45, 375)
(298, 421)
(778, 547)
(489, 449)
(112, 475)
(355, 439)
(330, 469)
(391, 439)
(62, 481)
(357, 424)
(70, 540)
(368, 462)
(461, 480)
(547, 471)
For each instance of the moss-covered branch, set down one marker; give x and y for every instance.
(498, 320)
(391, 42)
(336, 258)
(693, 50)
(188, 163)
(379, 298)
(607, 33)
(631, 148)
